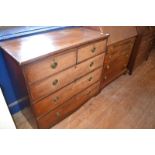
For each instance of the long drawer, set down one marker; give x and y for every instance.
(58, 98)
(55, 82)
(49, 66)
(90, 50)
(70, 106)
(118, 49)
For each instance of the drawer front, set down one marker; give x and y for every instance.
(49, 66)
(90, 65)
(90, 50)
(119, 49)
(121, 46)
(55, 82)
(114, 69)
(70, 106)
(66, 93)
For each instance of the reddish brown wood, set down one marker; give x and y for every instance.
(91, 50)
(44, 68)
(70, 106)
(28, 49)
(58, 81)
(117, 33)
(143, 46)
(17, 78)
(58, 98)
(120, 44)
(54, 59)
(116, 60)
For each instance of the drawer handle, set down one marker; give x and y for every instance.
(93, 49)
(108, 67)
(55, 82)
(58, 115)
(56, 99)
(90, 79)
(91, 64)
(54, 65)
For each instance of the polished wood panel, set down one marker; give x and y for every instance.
(70, 106)
(117, 33)
(66, 93)
(27, 49)
(91, 50)
(52, 71)
(126, 103)
(120, 42)
(142, 48)
(111, 71)
(116, 60)
(55, 82)
(49, 66)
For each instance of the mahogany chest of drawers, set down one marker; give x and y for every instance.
(61, 70)
(120, 45)
(116, 60)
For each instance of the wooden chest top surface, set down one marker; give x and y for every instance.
(28, 49)
(119, 33)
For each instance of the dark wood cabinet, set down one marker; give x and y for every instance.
(143, 46)
(116, 60)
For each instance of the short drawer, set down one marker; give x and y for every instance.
(70, 106)
(49, 66)
(91, 50)
(58, 98)
(55, 82)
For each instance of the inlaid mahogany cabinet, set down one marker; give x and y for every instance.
(61, 70)
(120, 45)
